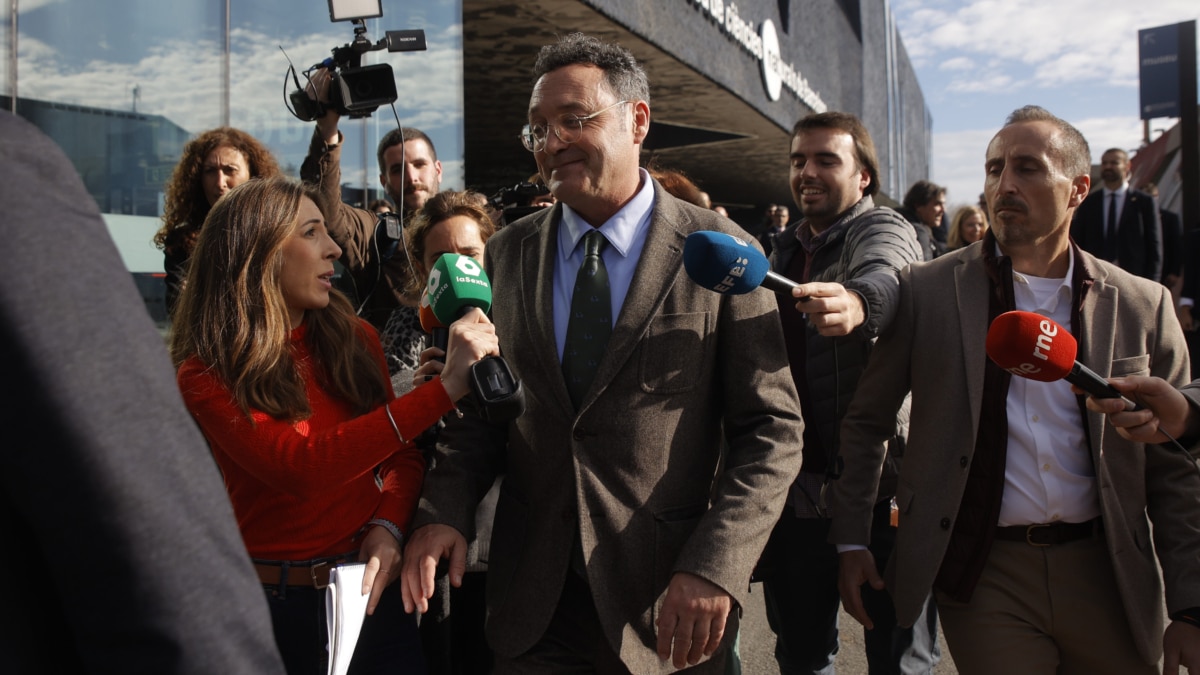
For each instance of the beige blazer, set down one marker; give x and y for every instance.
(936, 347)
(641, 471)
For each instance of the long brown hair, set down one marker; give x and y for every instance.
(186, 204)
(233, 318)
(954, 239)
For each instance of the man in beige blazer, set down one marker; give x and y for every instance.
(1026, 515)
(629, 522)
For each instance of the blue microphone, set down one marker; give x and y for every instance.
(728, 265)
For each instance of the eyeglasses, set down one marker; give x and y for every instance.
(568, 128)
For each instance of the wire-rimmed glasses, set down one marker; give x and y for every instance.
(568, 128)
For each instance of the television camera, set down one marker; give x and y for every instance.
(356, 90)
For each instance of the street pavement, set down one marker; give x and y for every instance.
(758, 643)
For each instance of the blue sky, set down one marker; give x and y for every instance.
(978, 60)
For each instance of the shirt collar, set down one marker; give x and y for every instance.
(1120, 192)
(620, 230)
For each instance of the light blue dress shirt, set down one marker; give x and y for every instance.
(626, 235)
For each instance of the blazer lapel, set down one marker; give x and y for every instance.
(1098, 335)
(656, 272)
(971, 288)
(539, 255)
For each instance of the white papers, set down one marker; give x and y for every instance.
(345, 609)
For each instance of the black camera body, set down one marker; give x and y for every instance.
(356, 90)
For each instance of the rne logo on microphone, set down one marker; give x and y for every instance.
(1041, 348)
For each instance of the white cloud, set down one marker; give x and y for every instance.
(958, 164)
(1103, 133)
(958, 63)
(180, 80)
(977, 60)
(1064, 41)
(980, 82)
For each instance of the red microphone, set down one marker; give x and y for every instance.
(1036, 347)
(438, 332)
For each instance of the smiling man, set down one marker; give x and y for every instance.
(847, 253)
(1035, 523)
(661, 430)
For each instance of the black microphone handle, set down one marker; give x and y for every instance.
(440, 337)
(495, 388)
(780, 284)
(1086, 379)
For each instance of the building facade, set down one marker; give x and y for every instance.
(122, 85)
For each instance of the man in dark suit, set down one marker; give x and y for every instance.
(633, 508)
(123, 553)
(1119, 224)
(1036, 525)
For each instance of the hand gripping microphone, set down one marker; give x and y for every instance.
(456, 284)
(725, 264)
(1036, 347)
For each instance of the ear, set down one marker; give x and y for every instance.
(864, 179)
(437, 166)
(641, 121)
(1079, 190)
(383, 180)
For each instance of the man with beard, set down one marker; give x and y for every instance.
(1120, 224)
(847, 253)
(410, 173)
(1035, 523)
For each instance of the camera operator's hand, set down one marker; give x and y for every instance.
(318, 90)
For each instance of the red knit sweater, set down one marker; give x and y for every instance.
(305, 490)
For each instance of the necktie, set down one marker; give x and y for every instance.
(590, 322)
(1110, 230)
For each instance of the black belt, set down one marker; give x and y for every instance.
(310, 573)
(1049, 534)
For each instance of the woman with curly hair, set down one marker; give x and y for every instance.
(291, 390)
(212, 164)
(449, 222)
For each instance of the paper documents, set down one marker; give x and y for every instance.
(345, 609)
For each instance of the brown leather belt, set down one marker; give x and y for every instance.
(1049, 534)
(308, 573)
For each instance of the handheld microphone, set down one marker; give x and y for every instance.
(455, 285)
(726, 264)
(1036, 347)
(439, 334)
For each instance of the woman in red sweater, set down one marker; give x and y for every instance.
(291, 390)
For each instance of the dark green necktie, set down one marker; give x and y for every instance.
(590, 322)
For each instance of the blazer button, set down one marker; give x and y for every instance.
(962, 461)
(578, 434)
(945, 523)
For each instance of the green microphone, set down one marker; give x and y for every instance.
(456, 284)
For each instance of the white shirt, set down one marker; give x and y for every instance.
(626, 235)
(1048, 474)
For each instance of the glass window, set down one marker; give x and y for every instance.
(122, 85)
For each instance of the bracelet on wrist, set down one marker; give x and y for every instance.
(390, 527)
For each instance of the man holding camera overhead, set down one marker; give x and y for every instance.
(409, 172)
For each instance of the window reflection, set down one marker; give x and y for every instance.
(122, 85)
